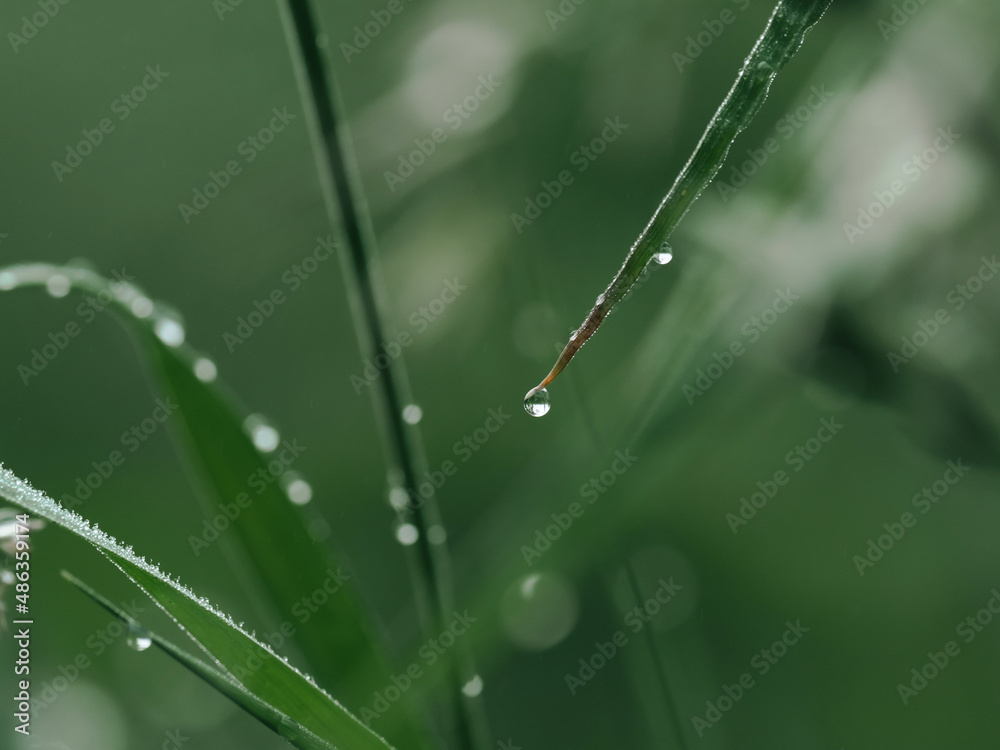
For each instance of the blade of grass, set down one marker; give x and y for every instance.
(278, 722)
(782, 37)
(338, 646)
(464, 722)
(247, 660)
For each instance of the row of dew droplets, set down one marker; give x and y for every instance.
(537, 401)
(407, 534)
(168, 326)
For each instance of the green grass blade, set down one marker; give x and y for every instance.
(267, 714)
(781, 39)
(334, 639)
(241, 655)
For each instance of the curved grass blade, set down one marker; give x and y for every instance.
(782, 37)
(334, 638)
(248, 661)
(267, 714)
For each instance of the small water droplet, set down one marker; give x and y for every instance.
(205, 370)
(299, 491)
(412, 414)
(407, 534)
(8, 280)
(473, 687)
(664, 255)
(138, 638)
(142, 307)
(764, 68)
(436, 535)
(319, 529)
(58, 285)
(398, 498)
(536, 402)
(169, 331)
(264, 437)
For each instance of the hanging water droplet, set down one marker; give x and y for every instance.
(664, 255)
(407, 534)
(205, 370)
(169, 331)
(412, 414)
(264, 437)
(58, 285)
(473, 687)
(536, 402)
(138, 638)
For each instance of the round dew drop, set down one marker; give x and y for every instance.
(536, 403)
(138, 638)
(664, 255)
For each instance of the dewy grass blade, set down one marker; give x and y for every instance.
(251, 662)
(782, 37)
(286, 727)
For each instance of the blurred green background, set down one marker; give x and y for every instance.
(892, 74)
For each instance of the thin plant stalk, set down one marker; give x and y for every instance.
(430, 565)
(782, 37)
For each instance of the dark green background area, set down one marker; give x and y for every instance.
(893, 84)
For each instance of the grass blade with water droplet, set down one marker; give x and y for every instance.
(234, 650)
(267, 714)
(208, 426)
(782, 37)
